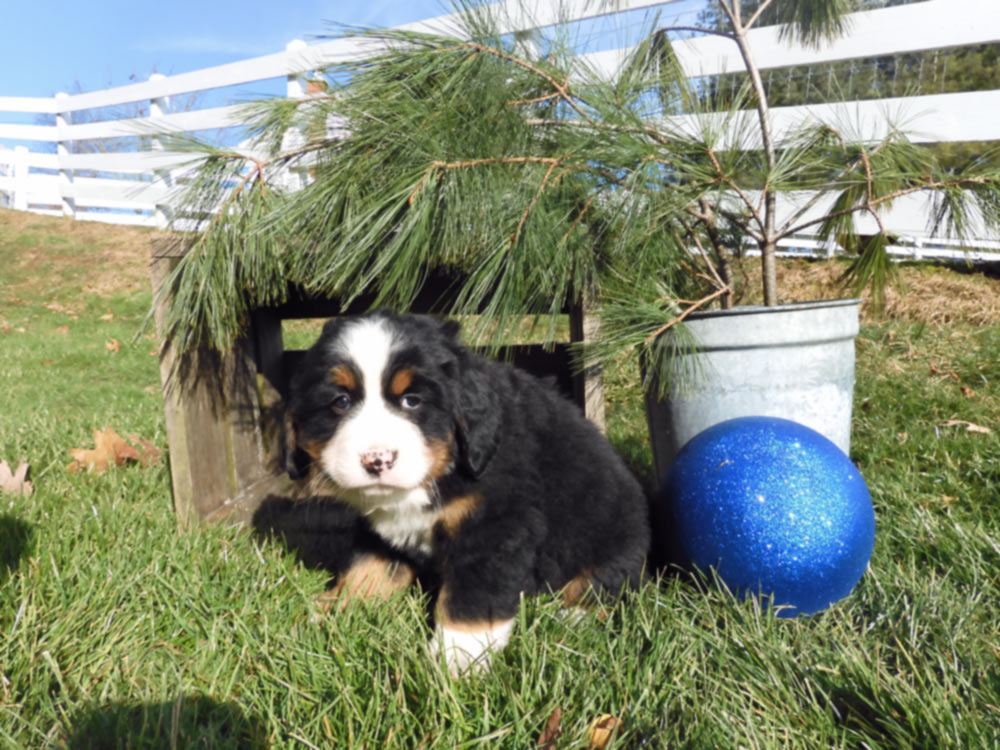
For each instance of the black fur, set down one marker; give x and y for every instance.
(555, 502)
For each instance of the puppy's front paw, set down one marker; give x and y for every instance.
(469, 649)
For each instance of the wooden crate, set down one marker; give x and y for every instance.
(224, 410)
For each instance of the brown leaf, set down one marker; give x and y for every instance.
(110, 448)
(112, 345)
(968, 392)
(969, 426)
(149, 454)
(553, 729)
(946, 373)
(603, 728)
(15, 482)
(62, 329)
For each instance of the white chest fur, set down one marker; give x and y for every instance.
(404, 519)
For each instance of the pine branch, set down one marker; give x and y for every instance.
(562, 89)
(692, 307)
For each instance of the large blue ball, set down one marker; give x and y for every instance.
(775, 507)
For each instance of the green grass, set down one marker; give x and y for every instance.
(116, 631)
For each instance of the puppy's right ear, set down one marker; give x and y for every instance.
(297, 461)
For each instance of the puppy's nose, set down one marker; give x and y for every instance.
(377, 461)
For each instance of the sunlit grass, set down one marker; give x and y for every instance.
(116, 631)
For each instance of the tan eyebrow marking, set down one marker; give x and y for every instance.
(401, 381)
(343, 376)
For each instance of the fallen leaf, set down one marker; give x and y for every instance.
(968, 392)
(602, 730)
(112, 345)
(553, 729)
(149, 454)
(108, 318)
(62, 329)
(969, 426)
(946, 373)
(15, 482)
(111, 448)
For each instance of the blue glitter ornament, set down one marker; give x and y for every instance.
(775, 507)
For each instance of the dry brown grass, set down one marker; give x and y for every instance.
(104, 259)
(924, 293)
(108, 259)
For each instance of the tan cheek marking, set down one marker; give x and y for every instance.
(576, 590)
(451, 516)
(343, 376)
(400, 382)
(313, 448)
(370, 577)
(439, 454)
(442, 618)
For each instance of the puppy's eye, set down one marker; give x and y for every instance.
(342, 403)
(410, 401)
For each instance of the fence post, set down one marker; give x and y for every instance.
(295, 87)
(158, 107)
(20, 164)
(66, 192)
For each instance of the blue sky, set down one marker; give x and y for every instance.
(49, 45)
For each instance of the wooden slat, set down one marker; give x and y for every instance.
(212, 412)
(916, 27)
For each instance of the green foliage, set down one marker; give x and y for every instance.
(534, 184)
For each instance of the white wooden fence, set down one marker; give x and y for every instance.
(134, 186)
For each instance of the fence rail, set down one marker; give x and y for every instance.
(133, 186)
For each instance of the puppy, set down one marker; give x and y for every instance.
(470, 473)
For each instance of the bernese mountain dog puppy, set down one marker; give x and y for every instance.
(468, 472)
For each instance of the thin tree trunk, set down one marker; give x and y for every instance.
(769, 273)
(767, 247)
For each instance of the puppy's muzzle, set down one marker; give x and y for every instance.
(377, 461)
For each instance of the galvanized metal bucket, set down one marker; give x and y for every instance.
(794, 361)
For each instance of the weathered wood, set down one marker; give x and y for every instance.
(212, 410)
(588, 384)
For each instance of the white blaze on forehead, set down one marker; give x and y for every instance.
(368, 344)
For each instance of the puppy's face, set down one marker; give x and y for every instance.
(373, 406)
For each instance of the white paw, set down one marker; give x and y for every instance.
(469, 649)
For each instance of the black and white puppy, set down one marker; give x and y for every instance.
(470, 472)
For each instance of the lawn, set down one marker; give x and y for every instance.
(117, 631)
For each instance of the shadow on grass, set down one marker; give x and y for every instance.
(324, 534)
(16, 538)
(191, 721)
(320, 531)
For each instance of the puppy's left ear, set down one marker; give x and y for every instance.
(297, 461)
(479, 422)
